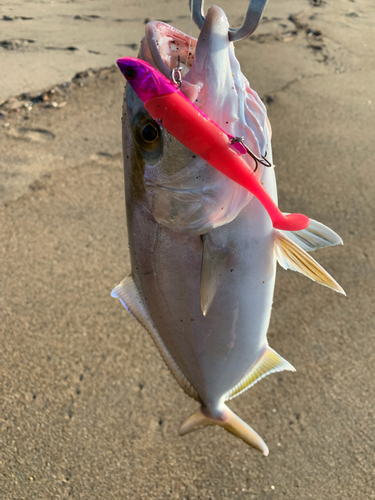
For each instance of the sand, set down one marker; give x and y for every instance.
(88, 410)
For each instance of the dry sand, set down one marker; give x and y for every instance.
(88, 410)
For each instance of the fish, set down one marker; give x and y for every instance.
(203, 249)
(169, 107)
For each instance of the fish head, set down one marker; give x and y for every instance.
(180, 189)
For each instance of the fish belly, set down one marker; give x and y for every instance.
(215, 351)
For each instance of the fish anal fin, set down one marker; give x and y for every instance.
(315, 236)
(229, 421)
(212, 272)
(291, 256)
(269, 362)
(128, 294)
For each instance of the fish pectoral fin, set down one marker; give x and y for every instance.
(291, 256)
(212, 272)
(231, 423)
(128, 294)
(269, 362)
(315, 236)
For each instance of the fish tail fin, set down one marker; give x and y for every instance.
(231, 423)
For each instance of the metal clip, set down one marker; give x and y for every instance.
(176, 74)
(253, 15)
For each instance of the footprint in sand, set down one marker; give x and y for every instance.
(32, 134)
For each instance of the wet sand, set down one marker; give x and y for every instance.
(88, 410)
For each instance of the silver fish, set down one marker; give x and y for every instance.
(203, 250)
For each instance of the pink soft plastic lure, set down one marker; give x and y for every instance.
(180, 117)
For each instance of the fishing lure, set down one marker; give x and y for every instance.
(188, 124)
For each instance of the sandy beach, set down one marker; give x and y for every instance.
(87, 408)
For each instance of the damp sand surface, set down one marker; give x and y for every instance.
(88, 410)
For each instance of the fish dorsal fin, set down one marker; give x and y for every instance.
(269, 362)
(212, 271)
(291, 256)
(128, 294)
(315, 236)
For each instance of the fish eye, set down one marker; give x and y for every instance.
(147, 136)
(150, 133)
(130, 73)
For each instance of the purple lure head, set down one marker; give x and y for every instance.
(145, 80)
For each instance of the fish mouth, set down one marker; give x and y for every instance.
(165, 47)
(203, 62)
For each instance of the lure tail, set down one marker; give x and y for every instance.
(231, 423)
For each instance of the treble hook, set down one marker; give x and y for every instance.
(263, 160)
(252, 18)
